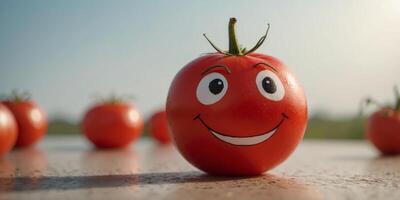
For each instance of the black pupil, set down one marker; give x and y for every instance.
(269, 85)
(216, 86)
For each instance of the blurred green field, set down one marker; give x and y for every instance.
(319, 127)
(328, 128)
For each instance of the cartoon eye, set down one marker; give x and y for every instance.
(270, 86)
(211, 88)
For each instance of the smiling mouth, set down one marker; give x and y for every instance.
(243, 140)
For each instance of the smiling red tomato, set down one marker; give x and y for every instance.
(236, 112)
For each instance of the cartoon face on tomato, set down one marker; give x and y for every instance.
(236, 114)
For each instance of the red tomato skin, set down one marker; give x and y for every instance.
(243, 111)
(31, 120)
(8, 130)
(159, 127)
(112, 125)
(383, 131)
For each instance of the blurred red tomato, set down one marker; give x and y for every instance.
(383, 130)
(31, 120)
(383, 127)
(112, 125)
(8, 130)
(159, 127)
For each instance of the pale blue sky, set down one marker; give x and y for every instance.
(63, 52)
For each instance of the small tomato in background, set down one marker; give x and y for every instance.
(236, 112)
(159, 127)
(112, 123)
(31, 120)
(383, 128)
(8, 130)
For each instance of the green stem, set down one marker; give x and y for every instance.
(112, 98)
(213, 45)
(16, 96)
(234, 47)
(397, 94)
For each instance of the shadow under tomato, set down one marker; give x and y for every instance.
(99, 181)
(266, 186)
(179, 185)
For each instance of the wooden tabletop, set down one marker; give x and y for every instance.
(68, 168)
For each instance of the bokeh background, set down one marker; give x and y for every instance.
(66, 52)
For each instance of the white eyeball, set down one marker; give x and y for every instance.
(270, 86)
(211, 88)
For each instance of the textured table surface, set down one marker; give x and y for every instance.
(68, 168)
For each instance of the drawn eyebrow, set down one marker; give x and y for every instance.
(217, 66)
(261, 63)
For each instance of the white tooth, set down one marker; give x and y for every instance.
(252, 140)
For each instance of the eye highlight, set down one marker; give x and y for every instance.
(270, 86)
(211, 88)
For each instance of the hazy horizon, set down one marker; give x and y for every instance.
(64, 52)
